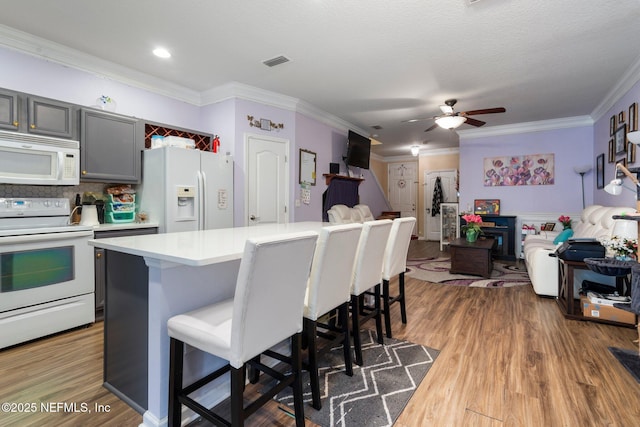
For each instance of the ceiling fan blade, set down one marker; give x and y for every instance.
(474, 122)
(418, 120)
(431, 128)
(484, 111)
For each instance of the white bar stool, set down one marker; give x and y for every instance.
(395, 264)
(329, 289)
(368, 274)
(266, 309)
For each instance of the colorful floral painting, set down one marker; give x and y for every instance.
(528, 169)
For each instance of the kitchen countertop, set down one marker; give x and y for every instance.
(125, 226)
(199, 248)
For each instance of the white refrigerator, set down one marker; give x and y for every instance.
(186, 190)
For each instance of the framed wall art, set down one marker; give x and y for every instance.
(307, 167)
(621, 139)
(633, 117)
(600, 171)
(621, 118)
(631, 153)
(486, 206)
(612, 151)
(612, 126)
(619, 173)
(526, 169)
(548, 226)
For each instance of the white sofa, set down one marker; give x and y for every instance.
(595, 221)
(343, 214)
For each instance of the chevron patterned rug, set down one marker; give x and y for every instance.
(378, 391)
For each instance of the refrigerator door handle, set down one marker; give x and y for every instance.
(202, 184)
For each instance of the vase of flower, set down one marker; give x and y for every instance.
(472, 236)
(565, 221)
(621, 248)
(472, 228)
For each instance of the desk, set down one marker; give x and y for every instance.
(569, 305)
(151, 278)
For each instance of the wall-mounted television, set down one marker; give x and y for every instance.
(358, 150)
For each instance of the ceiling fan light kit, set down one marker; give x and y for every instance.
(415, 150)
(450, 122)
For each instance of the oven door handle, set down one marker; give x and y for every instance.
(47, 237)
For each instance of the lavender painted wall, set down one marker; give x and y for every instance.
(314, 136)
(571, 147)
(601, 143)
(25, 73)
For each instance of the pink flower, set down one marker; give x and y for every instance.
(472, 218)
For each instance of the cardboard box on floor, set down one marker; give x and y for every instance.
(598, 311)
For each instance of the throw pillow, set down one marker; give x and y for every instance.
(562, 237)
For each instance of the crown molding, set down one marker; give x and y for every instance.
(518, 128)
(72, 58)
(54, 52)
(251, 93)
(624, 85)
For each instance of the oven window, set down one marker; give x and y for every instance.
(35, 268)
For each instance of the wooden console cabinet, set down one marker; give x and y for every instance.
(504, 231)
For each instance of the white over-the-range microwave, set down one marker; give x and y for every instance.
(38, 160)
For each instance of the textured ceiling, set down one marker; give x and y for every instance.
(368, 62)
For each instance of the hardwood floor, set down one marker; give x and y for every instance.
(508, 358)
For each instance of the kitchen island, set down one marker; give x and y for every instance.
(150, 278)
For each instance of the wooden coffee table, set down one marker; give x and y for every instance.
(472, 258)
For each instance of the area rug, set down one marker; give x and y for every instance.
(629, 359)
(436, 270)
(377, 392)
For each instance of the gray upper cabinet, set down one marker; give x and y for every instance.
(49, 117)
(9, 110)
(110, 147)
(26, 113)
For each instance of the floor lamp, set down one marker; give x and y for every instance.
(582, 170)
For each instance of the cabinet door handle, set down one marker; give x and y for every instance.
(15, 123)
(84, 172)
(99, 255)
(33, 126)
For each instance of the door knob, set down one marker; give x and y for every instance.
(254, 218)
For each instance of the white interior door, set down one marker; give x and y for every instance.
(448, 182)
(403, 184)
(267, 180)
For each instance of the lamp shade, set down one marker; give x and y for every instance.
(614, 187)
(450, 122)
(582, 169)
(634, 137)
(627, 229)
(415, 150)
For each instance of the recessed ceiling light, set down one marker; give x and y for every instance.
(161, 53)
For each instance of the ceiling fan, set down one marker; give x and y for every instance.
(451, 119)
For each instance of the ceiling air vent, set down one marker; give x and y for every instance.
(276, 61)
(377, 127)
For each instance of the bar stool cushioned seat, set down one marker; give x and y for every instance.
(395, 264)
(266, 309)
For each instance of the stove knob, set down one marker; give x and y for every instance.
(46, 203)
(58, 204)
